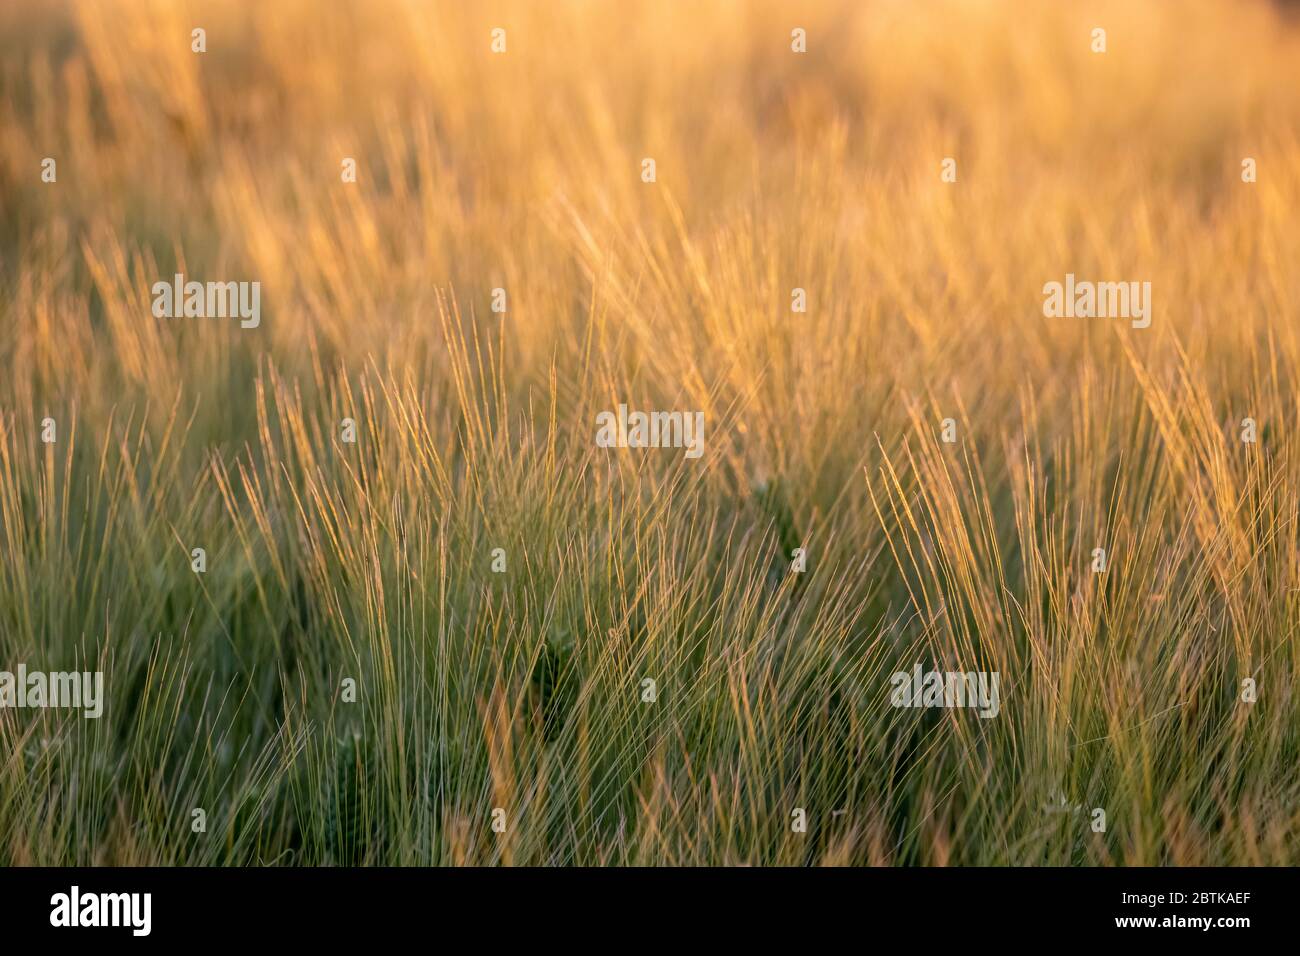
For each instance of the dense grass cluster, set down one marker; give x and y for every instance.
(523, 690)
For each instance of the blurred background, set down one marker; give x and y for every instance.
(775, 171)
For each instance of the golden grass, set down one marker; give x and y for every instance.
(476, 430)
